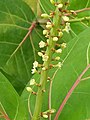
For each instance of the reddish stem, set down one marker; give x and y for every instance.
(78, 11)
(5, 116)
(29, 32)
(70, 92)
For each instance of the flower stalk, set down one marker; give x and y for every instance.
(44, 73)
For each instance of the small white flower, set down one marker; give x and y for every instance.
(52, 1)
(59, 51)
(49, 23)
(42, 44)
(60, 34)
(29, 89)
(48, 26)
(59, 65)
(35, 64)
(33, 70)
(43, 68)
(45, 116)
(48, 41)
(65, 18)
(40, 54)
(63, 45)
(55, 39)
(32, 82)
(45, 15)
(45, 57)
(45, 32)
(57, 58)
(60, 5)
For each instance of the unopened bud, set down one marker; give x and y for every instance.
(49, 26)
(60, 34)
(45, 15)
(29, 89)
(55, 39)
(60, 5)
(65, 18)
(45, 32)
(57, 58)
(32, 82)
(45, 116)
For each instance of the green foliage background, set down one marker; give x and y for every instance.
(16, 16)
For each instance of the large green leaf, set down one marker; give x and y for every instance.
(10, 103)
(75, 59)
(16, 17)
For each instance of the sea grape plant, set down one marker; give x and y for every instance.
(45, 60)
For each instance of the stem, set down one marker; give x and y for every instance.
(78, 11)
(5, 116)
(49, 98)
(44, 74)
(29, 32)
(70, 92)
(82, 10)
(79, 19)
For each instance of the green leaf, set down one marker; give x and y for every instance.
(76, 59)
(16, 62)
(33, 4)
(10, 103)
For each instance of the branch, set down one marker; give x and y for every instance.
(70, 92)
(79, 19)
(82, 10)
(5, 116)
(24, 39)
(77, 11)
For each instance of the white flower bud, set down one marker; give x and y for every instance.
(59, 51)
(63, 45)
(33, 70)
(35, 64)
(45, 32)
(45, 116)
(45, 57)
(65, 18)
(48, 26)
(49, 23)
(45, 15)
(52, 1)
(57, 58)
(44, 68)
(60, 34)
(48, 41)
(40, 54)
(55, 39)
(29, 89)
(60, 5)
(32, 82)
(42, 44)
(59, 65)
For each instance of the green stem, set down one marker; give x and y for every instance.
(79, 19)
(44, 74)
